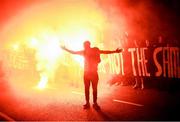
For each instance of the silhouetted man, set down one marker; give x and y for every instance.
(92, 59)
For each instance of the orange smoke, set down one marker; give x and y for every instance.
(42, 28)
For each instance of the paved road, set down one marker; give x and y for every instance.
(117, 103)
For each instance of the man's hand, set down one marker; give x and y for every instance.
(118, 50)
(63, 47)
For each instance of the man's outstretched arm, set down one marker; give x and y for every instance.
(71, 51)
(110, 52)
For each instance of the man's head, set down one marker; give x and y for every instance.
(87, 44)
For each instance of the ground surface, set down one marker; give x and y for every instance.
(121, 103)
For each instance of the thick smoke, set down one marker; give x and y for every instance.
(122, 19)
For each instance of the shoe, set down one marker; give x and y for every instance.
(96, 106)
(142, 87)
(142, 84)
(86, 106)
(135, 86)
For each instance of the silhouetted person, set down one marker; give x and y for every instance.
(139, 81)
(91, 60)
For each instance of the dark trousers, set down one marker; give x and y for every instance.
(91, 78)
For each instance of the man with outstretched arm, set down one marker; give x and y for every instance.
(91, 60)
